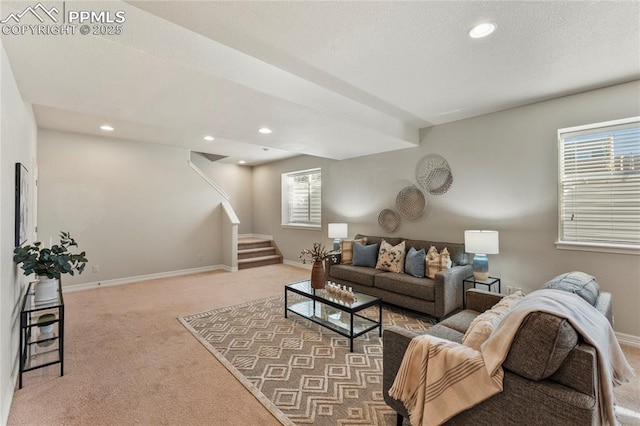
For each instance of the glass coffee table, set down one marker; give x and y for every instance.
(332, 312)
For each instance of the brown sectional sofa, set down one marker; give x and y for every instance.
(550, 373)
(436, 297)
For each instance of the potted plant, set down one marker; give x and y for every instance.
(318, 254)
(49, 263)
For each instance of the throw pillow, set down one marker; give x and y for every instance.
(414, 262)
(391, 258)
(346, 248)
(483, 325)
(584, 285)
(436, 262)
(365, 255)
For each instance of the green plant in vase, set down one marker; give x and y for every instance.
(49, 263)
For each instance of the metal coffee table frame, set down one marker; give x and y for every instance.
(322, 308)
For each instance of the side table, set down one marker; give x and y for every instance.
(490, 282)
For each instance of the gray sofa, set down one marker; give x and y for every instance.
(550, 373)
(436, 297)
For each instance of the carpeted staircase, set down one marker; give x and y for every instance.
(253, 252)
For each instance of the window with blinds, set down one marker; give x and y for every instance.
(302, 198)
(599, 184)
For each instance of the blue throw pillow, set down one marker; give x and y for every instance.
(414, 262)
(365, 255)
(584, 285)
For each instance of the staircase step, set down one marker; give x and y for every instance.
(251, 243)
(259, 261)
(256, 252)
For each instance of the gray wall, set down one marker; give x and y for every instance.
(505, 178)
(235, 181)
(136, 208)
(18, 135)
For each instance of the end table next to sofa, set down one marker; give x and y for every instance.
(489, 283)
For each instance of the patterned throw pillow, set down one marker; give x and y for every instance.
(391, 258)
(414, 262)
(483, 325)
(436, 262)
(346, 247)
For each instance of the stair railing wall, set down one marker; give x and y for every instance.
(230, 224)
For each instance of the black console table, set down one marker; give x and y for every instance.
(41, 332)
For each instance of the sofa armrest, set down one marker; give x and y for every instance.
(604, 305)
(448, 289)
(330, 261)
(395, 341)
(482, 300)
(579, 370)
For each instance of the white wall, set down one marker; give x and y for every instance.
(235, 181)
(18, 135)
(505, 178)
(136, 208)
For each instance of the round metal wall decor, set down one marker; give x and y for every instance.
(434, 174)
(410, 202)
(388, 220)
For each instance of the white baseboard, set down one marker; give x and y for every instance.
(129, 280)
(297, 264)
(628, 339)
(6, 403)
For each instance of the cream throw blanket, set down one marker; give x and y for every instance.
(613, 368)
(439, 378)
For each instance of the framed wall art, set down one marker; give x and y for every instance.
(22, 204)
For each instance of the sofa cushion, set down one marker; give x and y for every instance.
(540, 346)
(391, 258)
(355, 274)
(346, 249)
(584, 285)
(420, 288)
(414, 262)
(445, 332)
(365, 255)
(483, 325)
(460, 321)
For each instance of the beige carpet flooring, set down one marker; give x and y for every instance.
(128, 360)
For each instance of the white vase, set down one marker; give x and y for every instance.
(46, 289)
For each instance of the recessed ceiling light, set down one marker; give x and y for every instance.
(264, 130)
(106, 128)
(209, 138)
(242, 162)
(482, 30)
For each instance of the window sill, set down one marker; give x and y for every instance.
(599, 247)
(304, 227)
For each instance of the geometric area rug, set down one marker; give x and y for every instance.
(303, 373)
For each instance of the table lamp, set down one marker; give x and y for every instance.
(481, 243)
(338, 231)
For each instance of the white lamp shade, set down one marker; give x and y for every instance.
(338, 230)
(485, 242)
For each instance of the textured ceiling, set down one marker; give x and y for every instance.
(333, 79)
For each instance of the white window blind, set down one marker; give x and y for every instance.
(599, 184)
(302, 198)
